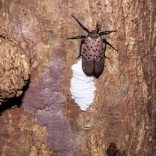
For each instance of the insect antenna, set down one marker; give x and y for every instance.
(82, 26)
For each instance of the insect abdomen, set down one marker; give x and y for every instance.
(93, 56)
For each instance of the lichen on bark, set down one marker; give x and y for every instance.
(43, 100)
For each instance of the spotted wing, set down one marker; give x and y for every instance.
(93, 56)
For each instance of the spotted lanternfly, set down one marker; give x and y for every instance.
(92, 49)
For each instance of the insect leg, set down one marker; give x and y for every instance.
(105, 50)
(106, 32)
(82, 26)
(82, 42)
(77, 37)
(104, 41)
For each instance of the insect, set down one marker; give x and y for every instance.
(92, 50)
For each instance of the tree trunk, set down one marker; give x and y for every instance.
(36, 62)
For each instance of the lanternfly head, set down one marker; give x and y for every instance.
(94, 34)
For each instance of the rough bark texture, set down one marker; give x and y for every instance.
(14, 67)
(33, 40)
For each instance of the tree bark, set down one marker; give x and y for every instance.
(45, 120)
